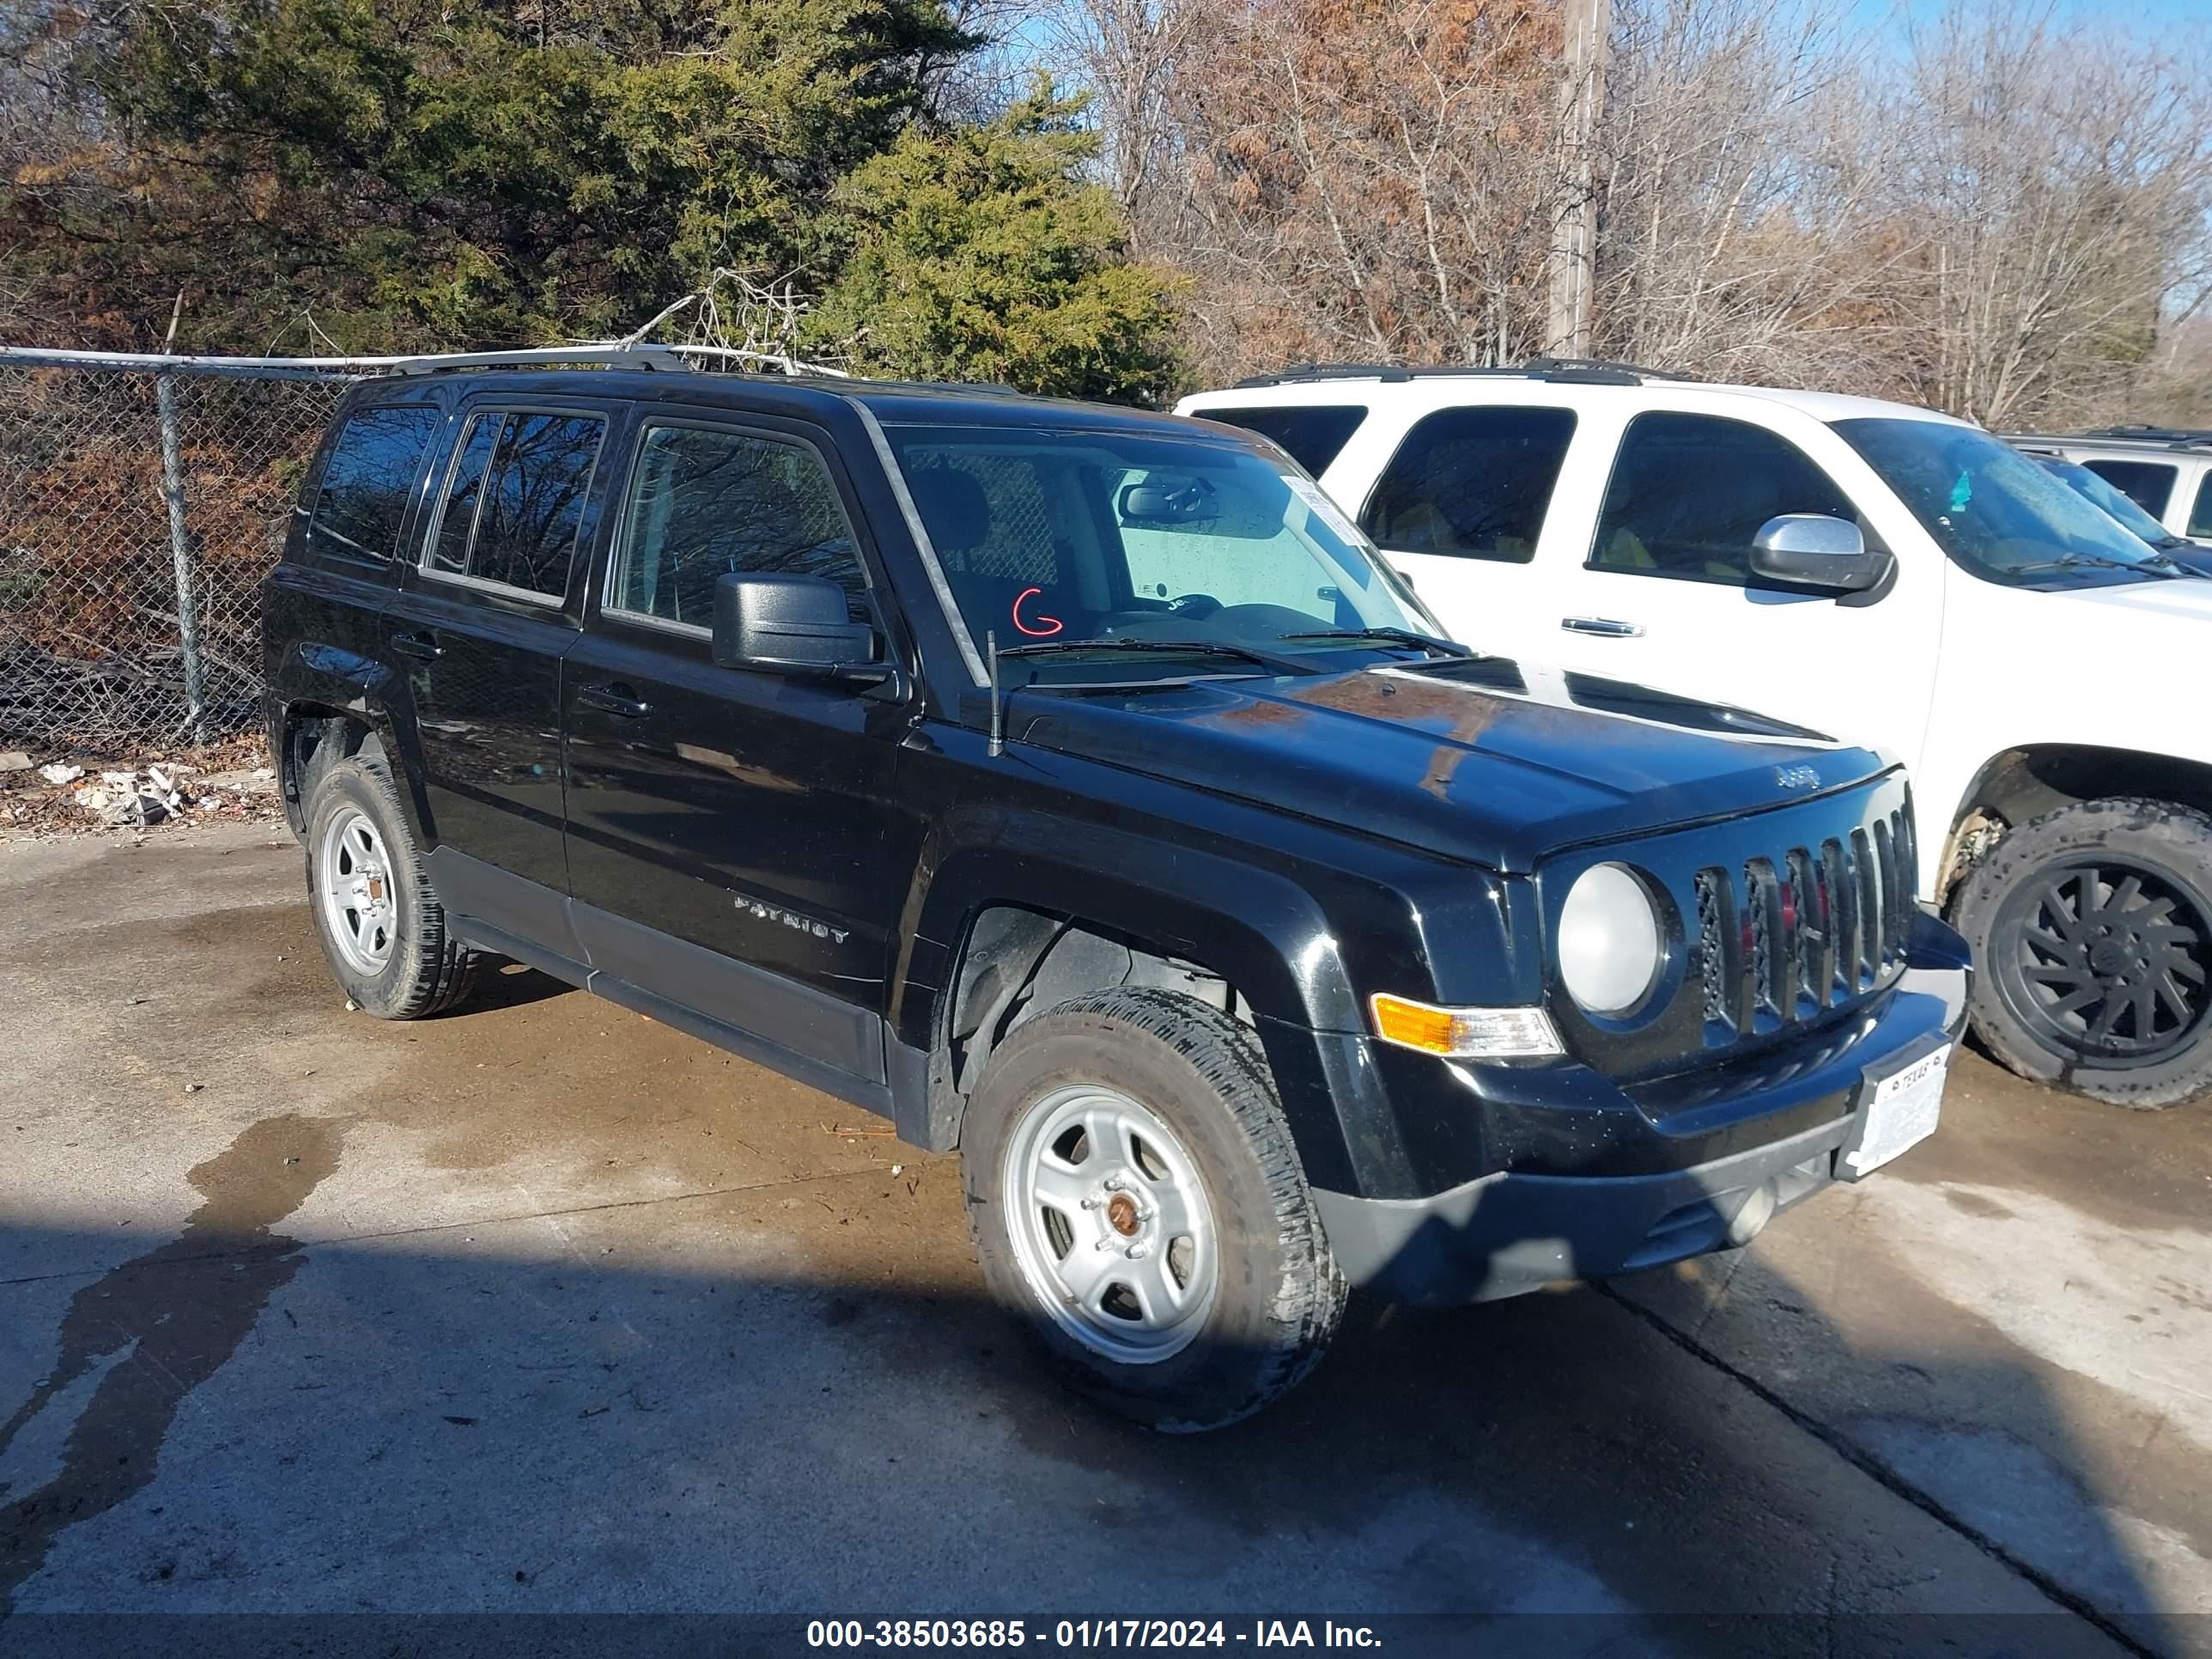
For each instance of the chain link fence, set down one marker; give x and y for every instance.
(141, 504)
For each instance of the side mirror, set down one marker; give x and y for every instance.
(796, 625)
(1812, 549)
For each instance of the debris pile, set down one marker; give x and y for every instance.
(62, 796)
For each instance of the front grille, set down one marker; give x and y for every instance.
(1786, 938)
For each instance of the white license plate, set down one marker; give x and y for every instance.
(1900, 1115)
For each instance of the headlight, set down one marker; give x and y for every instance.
(1610, 948)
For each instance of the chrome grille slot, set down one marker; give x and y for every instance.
(1768, 946)
(1716, 921)
(1789, 937)
(1871, 887)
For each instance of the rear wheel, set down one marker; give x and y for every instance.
(2092, 927)
(1137, 1204)
(378, 914)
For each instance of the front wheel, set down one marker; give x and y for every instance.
(2092, 929)
(1137, 1204)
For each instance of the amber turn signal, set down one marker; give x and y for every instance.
(1463, 1033)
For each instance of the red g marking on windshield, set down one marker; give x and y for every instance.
(1045, 627)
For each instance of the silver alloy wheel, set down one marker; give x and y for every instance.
(1111, 1225)
(353, 883)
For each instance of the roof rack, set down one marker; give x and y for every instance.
(1585, 371)
(661, 357)
(2180, 437)
(682, 359)
(651, 357)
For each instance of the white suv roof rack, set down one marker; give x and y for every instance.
(1584, 371)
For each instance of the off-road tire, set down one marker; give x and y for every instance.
(2168, 844)
(430, 971)
(1279, 1297)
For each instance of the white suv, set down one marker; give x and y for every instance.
(2167, 472)
(1866, 569)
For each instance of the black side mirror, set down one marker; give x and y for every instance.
(796, 625)
(1812, 549)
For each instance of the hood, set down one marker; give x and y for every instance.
(1489, 762)
(2122, 602)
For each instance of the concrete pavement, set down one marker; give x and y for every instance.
(543, 1307)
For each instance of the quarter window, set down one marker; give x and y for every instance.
(706, 502)
(514, 502)
(1688, 492)
(367, 480)
(2200, 516)
(1312, 436)
(1472, 482)
(2148, 482)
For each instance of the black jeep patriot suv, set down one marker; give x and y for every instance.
(1077, 788)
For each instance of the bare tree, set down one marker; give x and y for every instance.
(1742, 186)
(980, 84)
(2067, 179)
(1369, 180)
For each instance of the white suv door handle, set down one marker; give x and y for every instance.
(1601, 627)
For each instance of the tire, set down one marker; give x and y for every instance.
(391, 949)
(2091, 934)
(1261, 1294)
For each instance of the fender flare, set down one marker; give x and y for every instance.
(1257, 929)
(330, 681)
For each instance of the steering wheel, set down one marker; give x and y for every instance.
(1197, 606)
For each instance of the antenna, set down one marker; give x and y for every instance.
(997, 706)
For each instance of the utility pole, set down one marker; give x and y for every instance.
(1588, 24)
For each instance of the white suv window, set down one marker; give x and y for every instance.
(2150, 483)
(2200, 516)
(1472, 482)
(1688, 492)
(1313, 436)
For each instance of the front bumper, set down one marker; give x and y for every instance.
(1509, 1233)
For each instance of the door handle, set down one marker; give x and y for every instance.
(420, 647)
(1602, 627)
(614, 700)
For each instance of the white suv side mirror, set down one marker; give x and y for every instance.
(1812, 549)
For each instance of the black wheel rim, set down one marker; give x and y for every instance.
(2104, 960)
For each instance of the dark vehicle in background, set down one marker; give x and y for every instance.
(2125, 512)
(1077, 789)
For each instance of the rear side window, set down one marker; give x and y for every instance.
(1472, 482)
(704, 502)
(1688, 492)
(367, 480)
(1313, 437)
(2149, 482)
(515, 501)
(2200, 516)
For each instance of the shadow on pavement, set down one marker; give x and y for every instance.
(444, 1421)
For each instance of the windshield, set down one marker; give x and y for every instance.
(2119, 503)
(1996, 512)
(1064, 536)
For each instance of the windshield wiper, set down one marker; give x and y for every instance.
(2157, 566)
(1266, 660)
(1428, 642)
(994, 656)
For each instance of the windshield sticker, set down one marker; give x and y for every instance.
(1324, 509)
(1040, 627)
